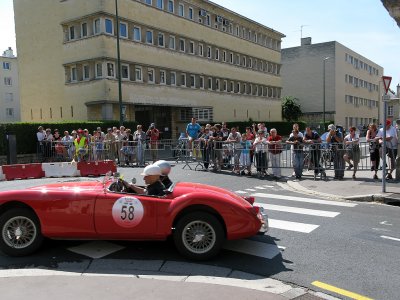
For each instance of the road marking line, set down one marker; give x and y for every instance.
(96, 249)
(254, 248)
(390, 238)
(292, 226)
(298, 210)
(269, 186)
(240, 192)
(251, 190)
(307, 200)
(339, 291)
(260, 188)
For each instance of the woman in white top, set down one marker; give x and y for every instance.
(351, 142)
(260, 149)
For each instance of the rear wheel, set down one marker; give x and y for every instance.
(199, 236)
(20, 232)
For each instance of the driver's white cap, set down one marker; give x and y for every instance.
(151, 170)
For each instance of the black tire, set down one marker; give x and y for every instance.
(208, 228)
(20, 232)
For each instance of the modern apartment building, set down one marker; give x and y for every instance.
(352, 83)
(9, 88)
(178, 59)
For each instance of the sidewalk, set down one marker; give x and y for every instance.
(364, 188)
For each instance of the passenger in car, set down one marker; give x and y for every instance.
(154, 186)
(165, 170)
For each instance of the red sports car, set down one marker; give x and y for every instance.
(199, 217)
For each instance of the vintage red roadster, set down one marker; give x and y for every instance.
(198, 217)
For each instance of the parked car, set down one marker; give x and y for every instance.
(199, 217)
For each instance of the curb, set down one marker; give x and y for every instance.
(296, 187)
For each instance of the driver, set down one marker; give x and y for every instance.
(165, 170)
(154, 186)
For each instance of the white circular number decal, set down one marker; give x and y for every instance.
(127, 212)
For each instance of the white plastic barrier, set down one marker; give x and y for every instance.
(62, 169)
(2, 177)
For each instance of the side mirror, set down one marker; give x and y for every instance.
(133, 181)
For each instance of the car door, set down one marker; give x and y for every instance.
(126, 216)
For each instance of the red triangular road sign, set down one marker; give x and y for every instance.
(386, 82)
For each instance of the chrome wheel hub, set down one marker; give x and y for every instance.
(199, 237)
(19, 232)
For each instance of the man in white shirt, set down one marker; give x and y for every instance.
(391, 145)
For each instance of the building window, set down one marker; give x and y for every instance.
(110, 70)
(162, 77)
(99, 70)
(201, 82)
(51, 113)
(96, 26)
(125, 71)
(250, 63)
(224, 56)
(109, 26)
(237, 30)
(138, 74)
(225, 86)
(238, 59)
(231, 58)
(181, 11)
(201, 50)
(172, 42)
(208, 52)
(160, 4)
(192, 81)
(390, 110)
(244, 61)
(237, 87)
(182, 45)
(183, 80)
(216, 54)
(150, 75)
(84, 32)
(209, 83)
(191, 47)
(173, 78)
(73, 74)
(161, 39)
(149, 37)
(72, 32)
(137, 36)
(148, 2)
(6, 65)
(190, 13)
(231, 85)
(217, 84)
(61, 112)
(208, 20)
(171, 6)
(123, 30)
(9, 97)
(86, 73)
(9, 112)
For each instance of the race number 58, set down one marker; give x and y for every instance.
(127, 212)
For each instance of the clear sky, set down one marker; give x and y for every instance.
(361, 25)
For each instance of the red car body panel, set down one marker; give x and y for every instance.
(88, 210)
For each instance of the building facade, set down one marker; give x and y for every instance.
(352, 83)
(178, 59)
(9, 88)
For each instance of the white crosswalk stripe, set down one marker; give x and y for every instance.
(298, 210)
(292, 226)
(306, 200)
(260, 188)
(240, 192)
(251, 190)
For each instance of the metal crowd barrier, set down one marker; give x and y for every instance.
(208, 155)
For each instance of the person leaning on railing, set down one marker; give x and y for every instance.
(352, 150)
(313, 139)
(81, 146)
(374, 145)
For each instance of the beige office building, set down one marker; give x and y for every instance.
(178, 59)
(9, 88)
(352, 83)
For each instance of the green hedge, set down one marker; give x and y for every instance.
(26, 132)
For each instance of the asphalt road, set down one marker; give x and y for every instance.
(352, 246)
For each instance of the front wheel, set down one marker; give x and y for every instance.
(20, 232)
(199, 236)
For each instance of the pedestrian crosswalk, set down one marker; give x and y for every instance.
(287, 214)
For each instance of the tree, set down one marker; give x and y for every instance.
(291, 110)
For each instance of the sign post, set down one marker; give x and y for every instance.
(385, 98)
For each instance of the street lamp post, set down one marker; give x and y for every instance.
(121, 116)
(323, 106)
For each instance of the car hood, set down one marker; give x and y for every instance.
(182, 188)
